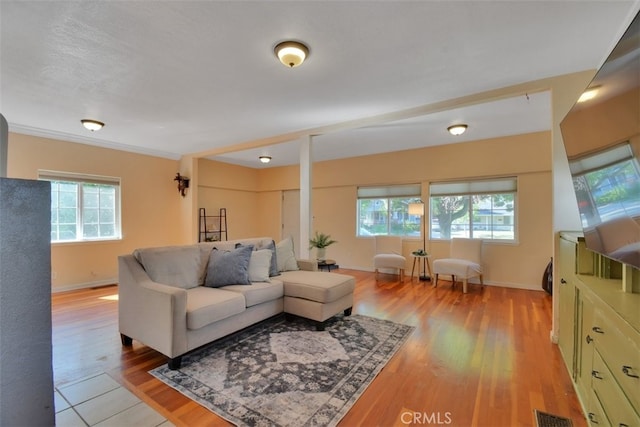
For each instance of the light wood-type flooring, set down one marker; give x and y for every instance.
(477, 359)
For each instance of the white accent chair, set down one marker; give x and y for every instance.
(389, 254)
(464, 262)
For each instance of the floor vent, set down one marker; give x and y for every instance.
(549, 420)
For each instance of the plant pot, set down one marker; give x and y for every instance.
(320, 253)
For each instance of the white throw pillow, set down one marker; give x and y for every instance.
(285, 256)
(259, 265)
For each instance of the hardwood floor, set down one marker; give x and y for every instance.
(480, 359)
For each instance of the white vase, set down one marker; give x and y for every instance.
(320, 253)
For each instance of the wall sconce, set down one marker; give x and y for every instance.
(183, 184)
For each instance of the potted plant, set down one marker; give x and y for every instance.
(320, 241)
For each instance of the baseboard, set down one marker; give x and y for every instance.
(524, 286)
(515, 286)
(86, 285)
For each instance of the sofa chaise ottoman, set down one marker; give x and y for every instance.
(175, 299)
(316, 295)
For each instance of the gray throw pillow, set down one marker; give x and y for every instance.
(229, 267)
(273, 269)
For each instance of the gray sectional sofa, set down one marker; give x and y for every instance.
(175, 299)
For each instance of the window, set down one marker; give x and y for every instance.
(83, 207)
(606, 185)
(385, 210)
(476, 209)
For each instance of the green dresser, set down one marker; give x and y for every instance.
(599, 332)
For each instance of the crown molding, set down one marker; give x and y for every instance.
(63, 136)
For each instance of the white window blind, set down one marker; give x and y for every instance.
(408, 190)
(503, 185)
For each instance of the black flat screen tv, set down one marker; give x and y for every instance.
(602, 140)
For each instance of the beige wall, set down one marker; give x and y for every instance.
(151, 206)
(252, 198)
(234, 188)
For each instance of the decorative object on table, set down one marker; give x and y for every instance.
(320, 241)
(308, 377)
(418, 210)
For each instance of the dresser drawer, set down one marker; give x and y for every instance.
(596, 415)
(616, 406)
(619, 345)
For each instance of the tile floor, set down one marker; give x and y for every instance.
(100, 401)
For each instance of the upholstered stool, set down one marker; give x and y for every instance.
(317, 295)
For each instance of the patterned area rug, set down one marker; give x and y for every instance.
(285, 373)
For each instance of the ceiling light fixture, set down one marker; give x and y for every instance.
(92, 125)
(265, 159)
(588, 94)
(291, 53)
(457, 129)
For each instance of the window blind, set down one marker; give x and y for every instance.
(408, 190)
(460, 188)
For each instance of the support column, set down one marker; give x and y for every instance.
(306, 219)
(26, 372)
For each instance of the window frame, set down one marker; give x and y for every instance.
(81, 180)
(411, 193)
(471, 189)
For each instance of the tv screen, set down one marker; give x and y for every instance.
(601, 135)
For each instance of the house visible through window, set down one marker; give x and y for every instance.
(83, 207)
(606, 185)
(385, 210)
(483, 209)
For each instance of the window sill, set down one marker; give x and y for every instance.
(87, 242)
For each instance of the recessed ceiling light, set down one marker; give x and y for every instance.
(457, 129)
(291, 54)
(265, 159)
(92, 125)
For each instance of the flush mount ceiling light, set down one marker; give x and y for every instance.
(265, 159)
(291, 53)
(457, 129)
(588, 94)
(92, 125)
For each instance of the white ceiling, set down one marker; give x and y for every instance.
(171, 78)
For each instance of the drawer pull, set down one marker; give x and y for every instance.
(623, 425)
(589, 339)
(592, 418)
(627, 371)
(597, 329)
(564, 282)
(596, 374)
